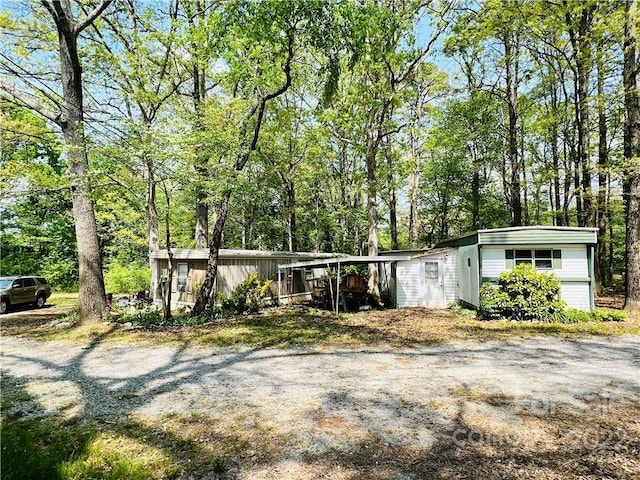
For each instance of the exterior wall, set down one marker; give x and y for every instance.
(573, 273)
(450, 278)
(576, 294)
(468, 275)
(231, 273)
(409, 283)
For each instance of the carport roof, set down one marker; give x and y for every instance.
(344, 260)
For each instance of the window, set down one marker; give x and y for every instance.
(431, 271)
(523, 256)
(29, 282)
(183, 272)
(543, 259)
(546, 259)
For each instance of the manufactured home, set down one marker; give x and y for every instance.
(234, 266)
(455, 269)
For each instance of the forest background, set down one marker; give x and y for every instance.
(306, 126)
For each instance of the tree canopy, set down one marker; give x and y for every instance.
(309, 126)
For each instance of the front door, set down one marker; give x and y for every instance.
(433, 291)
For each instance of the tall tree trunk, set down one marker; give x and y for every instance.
(372, 215)
(393, 201)
(601, 257)
(91, 295)
(632, 156)
(581, 45)
(291, 220)
(166, 301)
(511, 59)
(414, 176)
(198, 95)
(555, 159)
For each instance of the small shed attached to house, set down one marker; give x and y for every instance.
(427, 279)
(567, 252)
(234, 266)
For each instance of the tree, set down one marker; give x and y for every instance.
(67, 112)
(632, 155)
(386, 60)
(262, 45)
(135, 49)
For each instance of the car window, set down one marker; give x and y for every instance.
(41, 280)
(5, 283)
(28, 282)
(17, 283)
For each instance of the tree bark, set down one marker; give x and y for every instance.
(414, 176)
(91, 295)
(581, 45)
(601, 256)
(511, 59)
(632, 156)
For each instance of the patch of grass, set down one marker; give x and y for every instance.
(63, 300)
(295, 326)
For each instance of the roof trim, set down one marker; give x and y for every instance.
(203, 254)
(344, 260)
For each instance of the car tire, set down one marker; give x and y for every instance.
(40, 301)
(4, 306)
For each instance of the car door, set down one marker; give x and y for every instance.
(17, 291)
(29, 290)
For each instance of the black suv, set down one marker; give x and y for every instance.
(23, 289)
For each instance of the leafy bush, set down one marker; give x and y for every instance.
(573, 315)
(493, 302)
(248, 296)
(522, 294)
(129, 278)
(608, 316)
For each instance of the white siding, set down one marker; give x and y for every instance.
(468, 279)
(574, 260)
(450, 278)
(573, 274)
(409, 283)
(493, 261)
(576, 294)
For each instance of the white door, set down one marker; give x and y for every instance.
(433, 288)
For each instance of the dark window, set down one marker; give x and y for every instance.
(17, 283)
(523, 256)
(41, 280)
(183, 272)
(28, 282)
(543, 259)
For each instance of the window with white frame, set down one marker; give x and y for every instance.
(542, 259)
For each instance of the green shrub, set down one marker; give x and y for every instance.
(572, 315)
(608, 316)
(522, 294)
(130, 278)
(248, 296)
(494, 302)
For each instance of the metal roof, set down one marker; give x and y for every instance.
(344, 260)
(203, 254)
(538, 234)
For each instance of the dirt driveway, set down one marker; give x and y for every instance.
(536, 408)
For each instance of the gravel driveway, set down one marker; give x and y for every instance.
(328, 403)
